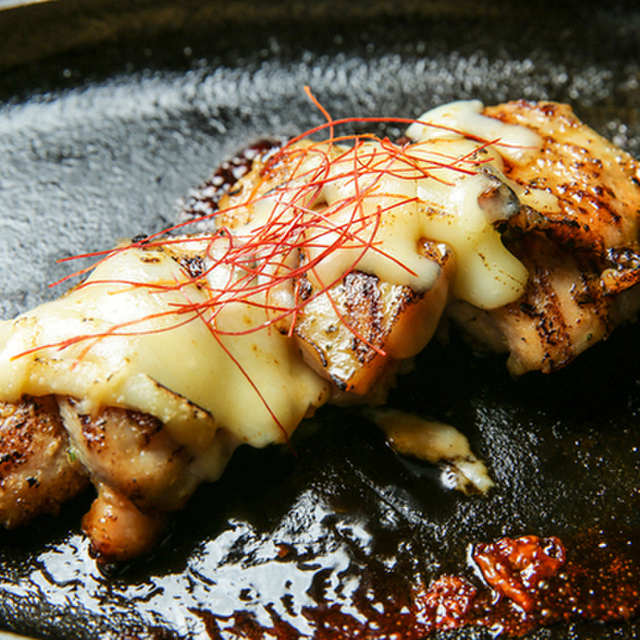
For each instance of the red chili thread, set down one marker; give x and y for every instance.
(258, 262)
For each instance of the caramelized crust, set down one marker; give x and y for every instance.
(37, 472)
(597, 186)
(355, 333)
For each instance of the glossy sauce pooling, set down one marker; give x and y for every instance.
(521, 584)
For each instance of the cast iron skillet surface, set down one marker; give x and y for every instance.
(102, 134)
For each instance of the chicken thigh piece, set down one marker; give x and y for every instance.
(578, 235)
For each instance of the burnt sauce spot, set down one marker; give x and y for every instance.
(204, 200)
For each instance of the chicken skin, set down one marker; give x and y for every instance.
(38, 472)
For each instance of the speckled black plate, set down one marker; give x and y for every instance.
(111, 111)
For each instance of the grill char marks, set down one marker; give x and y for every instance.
(562, 312)
(356, 332)
(581, 254)
(37, 473)
(597, 186)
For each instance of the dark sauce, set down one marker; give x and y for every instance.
(597, 580)
(204, 201)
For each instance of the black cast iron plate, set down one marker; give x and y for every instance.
(101, 142)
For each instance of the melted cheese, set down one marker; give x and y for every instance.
(464, 119)
(388, 204)
(437, 443)
(141, 334)
(147, 347)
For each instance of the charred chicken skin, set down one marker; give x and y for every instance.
(37, 470)
(582, 253)
(313, 278)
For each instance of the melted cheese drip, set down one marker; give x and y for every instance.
(437, 443)
(516, 143)
(139, 353)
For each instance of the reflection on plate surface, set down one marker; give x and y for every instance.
(109, 154)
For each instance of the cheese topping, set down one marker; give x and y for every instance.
(370, 206)
(517, 144)
(209, 351)
(148, 346)
(437, 443)
(464, 119)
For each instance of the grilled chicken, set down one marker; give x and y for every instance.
(118, 530)
(38, 472)
(359, 332)
(582, 249)
(596, 186)
(562, 312)
(326, 267)
(133, 453)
